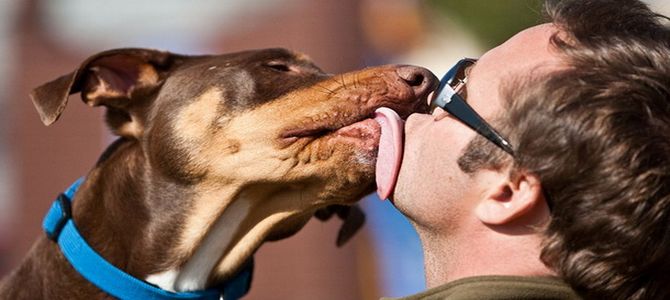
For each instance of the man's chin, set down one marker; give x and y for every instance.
(404, 199)
(397, 199)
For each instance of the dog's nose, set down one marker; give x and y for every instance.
(420, 79)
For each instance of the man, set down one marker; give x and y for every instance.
(566, 194)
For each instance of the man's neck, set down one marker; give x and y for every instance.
(488, 252)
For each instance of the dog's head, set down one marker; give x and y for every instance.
(264, 135)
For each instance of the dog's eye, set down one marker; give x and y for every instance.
(278, 66)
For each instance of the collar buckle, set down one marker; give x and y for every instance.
(59, 214)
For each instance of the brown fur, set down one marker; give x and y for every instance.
(197, 134)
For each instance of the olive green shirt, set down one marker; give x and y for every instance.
(498, 287)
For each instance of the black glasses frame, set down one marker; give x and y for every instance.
(447, 98)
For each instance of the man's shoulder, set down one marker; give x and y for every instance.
(499, 287)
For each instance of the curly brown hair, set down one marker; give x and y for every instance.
(597, 134)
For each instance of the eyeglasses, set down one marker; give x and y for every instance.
(448, 98)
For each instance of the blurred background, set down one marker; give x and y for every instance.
(41, 40)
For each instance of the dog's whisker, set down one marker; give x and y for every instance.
(342, 84)
(325, 89)
(320, 90)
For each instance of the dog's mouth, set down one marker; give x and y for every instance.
(360, 126)
(349, 111)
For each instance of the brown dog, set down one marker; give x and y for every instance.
(216, 154)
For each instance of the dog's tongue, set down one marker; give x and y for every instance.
(390, 150)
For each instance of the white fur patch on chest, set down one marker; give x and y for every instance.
(164, 280)
(197, 269)
(194, 274)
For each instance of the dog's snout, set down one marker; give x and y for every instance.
(419, 79)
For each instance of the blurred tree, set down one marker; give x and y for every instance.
(491, 21)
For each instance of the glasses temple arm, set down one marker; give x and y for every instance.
(460, 109)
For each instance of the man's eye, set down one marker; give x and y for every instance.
(461, 89)
(431, 108)
(464, 93)
(467, 70)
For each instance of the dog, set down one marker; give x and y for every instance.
(215, 155)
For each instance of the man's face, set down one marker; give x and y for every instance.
(431, 189)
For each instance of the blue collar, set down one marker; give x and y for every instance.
(60, 228)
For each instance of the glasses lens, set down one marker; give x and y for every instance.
(460, 73)
(455, 78)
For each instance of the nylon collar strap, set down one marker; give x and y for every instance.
(60, 228)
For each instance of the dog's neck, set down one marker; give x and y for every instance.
(109, 210)
(153, 218)
(117, 210)
(121, 212)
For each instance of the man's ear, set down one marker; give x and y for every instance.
(112, 78)
(506, 200)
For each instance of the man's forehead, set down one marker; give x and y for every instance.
(535, 37)
(527, 50)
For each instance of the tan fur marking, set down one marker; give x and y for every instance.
(101, 90)
(131, 128)
(193, 120)
(209, 204)
(249, 241)
(302, 56)
(147, 75)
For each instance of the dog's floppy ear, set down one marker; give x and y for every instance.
(111, 78)
(353, 219)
